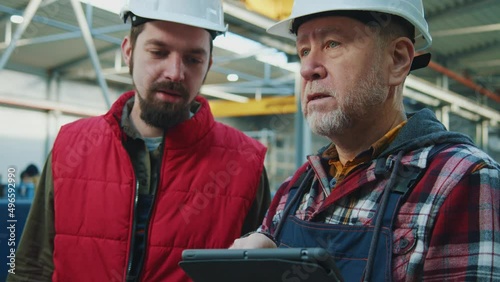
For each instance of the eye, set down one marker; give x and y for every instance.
(304, 52)
(332, 44)
(194, 60)
(157, 53)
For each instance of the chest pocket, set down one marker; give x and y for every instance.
(404, 241)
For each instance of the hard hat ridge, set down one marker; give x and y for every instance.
(410, 10)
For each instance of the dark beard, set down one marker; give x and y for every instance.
(161, 114)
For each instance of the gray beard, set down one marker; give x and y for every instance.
(328, 124)
(368, 95)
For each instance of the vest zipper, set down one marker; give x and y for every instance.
(146, 228)
(132, 240)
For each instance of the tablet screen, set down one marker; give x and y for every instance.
(259, 265)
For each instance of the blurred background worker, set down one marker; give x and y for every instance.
(29, 180)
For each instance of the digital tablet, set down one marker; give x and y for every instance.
(259, 265)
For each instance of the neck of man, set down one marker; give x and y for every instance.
(365, 132)
(144, 129)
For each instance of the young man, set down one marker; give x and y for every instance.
(395, 196)
(123, 194)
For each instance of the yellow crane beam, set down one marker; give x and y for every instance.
(274, 9)
(264, 106)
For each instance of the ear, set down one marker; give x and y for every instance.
(210, 62)
(126, 50)
(401, 53)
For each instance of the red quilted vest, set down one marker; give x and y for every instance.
(209, 178)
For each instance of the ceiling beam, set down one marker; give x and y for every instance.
(286, 80)
(68, 35)
(242, 75)
(466, 30)
(457, 57)
(45, 105)
(89, 42)
(451, 98)
(483, 64)
(240, 12)
(465, 81)
(236, 57)
(63, 67)
(209, 91)
(251, 90)
(56, 24)
(253, 26)
(26, 69)
(28, 16)
(20, 8)
(462, 7)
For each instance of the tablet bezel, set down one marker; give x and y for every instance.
(263, 265)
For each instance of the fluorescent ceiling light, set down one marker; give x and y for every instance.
(16, 19)
(241, 45)
(232, 77)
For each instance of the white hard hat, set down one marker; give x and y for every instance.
(410, 10)
(207, 14)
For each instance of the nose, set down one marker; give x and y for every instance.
(312, 68)
(173, 68)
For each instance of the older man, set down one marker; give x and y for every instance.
(395, 196)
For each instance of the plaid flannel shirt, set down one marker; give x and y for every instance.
(448, 229)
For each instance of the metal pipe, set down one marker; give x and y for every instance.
(485, 135)
(87, 36)
(465, 81)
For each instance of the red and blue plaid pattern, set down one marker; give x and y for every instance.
(447, 229)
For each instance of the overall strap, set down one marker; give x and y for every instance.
(295, 193)
(408, 176)
(401, 182)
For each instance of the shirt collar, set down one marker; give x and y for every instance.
(126, 122)
(375, 149)
(339, 171)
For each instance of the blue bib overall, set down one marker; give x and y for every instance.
(348, 244)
